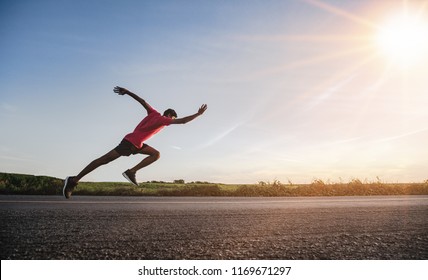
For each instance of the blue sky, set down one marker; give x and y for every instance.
(296, 90)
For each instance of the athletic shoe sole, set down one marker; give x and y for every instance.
(65, 186)
(129, 179)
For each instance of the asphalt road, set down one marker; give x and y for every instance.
(377, 227)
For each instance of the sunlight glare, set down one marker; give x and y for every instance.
(403, 39)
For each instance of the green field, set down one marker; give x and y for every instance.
(44, 185)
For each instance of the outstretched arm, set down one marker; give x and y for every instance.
(123, 91)
(187, 119)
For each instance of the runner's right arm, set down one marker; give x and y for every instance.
(187, 119)
(123, 91)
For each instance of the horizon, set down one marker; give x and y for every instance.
(316, 182)
(296, 90)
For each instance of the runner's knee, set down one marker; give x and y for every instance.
(156, 154)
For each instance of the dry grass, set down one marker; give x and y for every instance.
(42, 185)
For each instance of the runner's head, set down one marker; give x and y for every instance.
(170, 113)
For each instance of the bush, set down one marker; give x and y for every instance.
(179, 181)
(43, 185)
(29, 184)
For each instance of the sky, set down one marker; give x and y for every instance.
(296, 90)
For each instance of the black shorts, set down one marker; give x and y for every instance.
(126, 148)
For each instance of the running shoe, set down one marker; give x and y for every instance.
(69, 186)
(130, 176)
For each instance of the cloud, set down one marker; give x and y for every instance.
(8, 108)
(220, 136)
(14, 158)
(329, 92)
(395, 137)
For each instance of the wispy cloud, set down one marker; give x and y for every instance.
(330, 92)
(8, 108)
(395, 137)
(219, 136)
(15, 158)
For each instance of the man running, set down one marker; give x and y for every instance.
(134, 142)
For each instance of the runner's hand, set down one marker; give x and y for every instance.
(120, 90)
(202, 109)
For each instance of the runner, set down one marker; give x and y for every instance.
(134, 142)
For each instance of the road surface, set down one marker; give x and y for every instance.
(375, 227)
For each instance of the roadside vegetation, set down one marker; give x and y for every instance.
(44, 185)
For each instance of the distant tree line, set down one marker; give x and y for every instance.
(29, 184)
(44, 185)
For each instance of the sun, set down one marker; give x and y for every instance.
(403, 39)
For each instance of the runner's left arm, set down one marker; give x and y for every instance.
(123, 91)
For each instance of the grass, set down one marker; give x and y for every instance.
(43, 185)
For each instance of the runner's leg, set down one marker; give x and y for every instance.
(153, 155)
(110, 156)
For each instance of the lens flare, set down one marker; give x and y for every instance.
(404, 39)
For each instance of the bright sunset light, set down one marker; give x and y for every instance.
(404, 38)
(297, 90)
